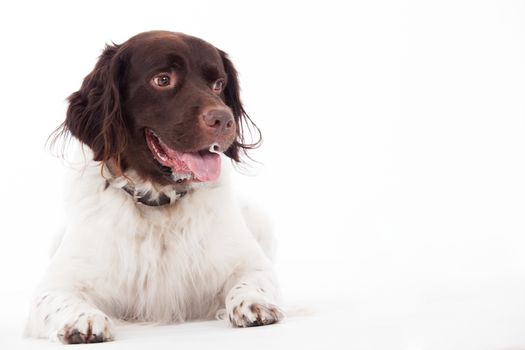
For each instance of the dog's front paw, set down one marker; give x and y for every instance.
(87, 328)
(252, 313)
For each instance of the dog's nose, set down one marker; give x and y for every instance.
(218, 119)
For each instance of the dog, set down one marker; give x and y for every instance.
(154, 232)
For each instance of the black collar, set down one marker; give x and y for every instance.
(145, 197)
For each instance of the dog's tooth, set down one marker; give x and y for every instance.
(181, 177)
(215, 148)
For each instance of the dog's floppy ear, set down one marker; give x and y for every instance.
(243, 121)
(94, 115)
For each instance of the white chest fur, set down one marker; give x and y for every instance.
(152, 263)
(121, 259)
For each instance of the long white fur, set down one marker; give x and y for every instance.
(122, 260)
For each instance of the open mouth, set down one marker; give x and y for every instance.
(202, 166)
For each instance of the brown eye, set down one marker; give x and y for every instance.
(163, 80)
(218, 85)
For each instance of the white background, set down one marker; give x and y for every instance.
(393, 161)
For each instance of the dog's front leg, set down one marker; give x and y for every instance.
(253, 299)
(68, 317)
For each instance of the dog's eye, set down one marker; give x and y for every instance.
(218, 85)
(163, 80)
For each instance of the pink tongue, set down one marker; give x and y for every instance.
(205, 167)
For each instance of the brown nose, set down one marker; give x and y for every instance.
(218, 119)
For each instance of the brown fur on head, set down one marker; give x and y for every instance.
(117, 102)
(95, 115)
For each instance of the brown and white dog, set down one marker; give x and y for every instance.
(153, 231)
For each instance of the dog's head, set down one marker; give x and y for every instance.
(163, 104)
